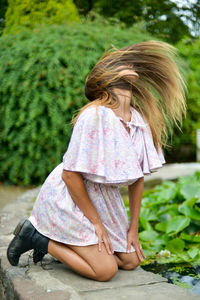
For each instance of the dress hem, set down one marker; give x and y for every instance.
(57, 240)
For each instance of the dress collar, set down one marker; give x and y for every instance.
(136, 119)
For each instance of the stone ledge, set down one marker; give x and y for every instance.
(171, 172)
(51, 279)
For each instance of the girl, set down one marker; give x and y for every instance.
(136, 95)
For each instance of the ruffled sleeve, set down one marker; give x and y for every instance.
(150, 159)
(100, 151)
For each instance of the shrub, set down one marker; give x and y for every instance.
(42, 78)
(31, 12)
(184, 144)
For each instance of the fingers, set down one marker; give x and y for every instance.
(139, 252)
(128, 247)
(107, 244)
(138, 249)
(102, 235)
(99, 243)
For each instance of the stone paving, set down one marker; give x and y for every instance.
(172, 171)
(53, 280)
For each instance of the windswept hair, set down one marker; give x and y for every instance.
(158, 93)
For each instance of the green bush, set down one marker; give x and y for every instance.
(42, 78)
(184, 144)
(31, 12)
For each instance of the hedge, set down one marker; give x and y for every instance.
(42, 78)
(184, 144)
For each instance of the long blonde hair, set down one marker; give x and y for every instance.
(158, 94)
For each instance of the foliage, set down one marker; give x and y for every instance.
(163, 19)
(170, 220)
(28, 13)
(4, 6)
(42, 80)
(184, 145)
(42, 74)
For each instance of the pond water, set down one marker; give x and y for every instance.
(181, 274)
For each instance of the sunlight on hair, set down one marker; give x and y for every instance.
(158, 92)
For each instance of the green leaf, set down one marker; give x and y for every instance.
(190, 237)
(162, 239)
(176, 245)
(193, 252)
(148, 235)
(148, 214)
(188, 211)
(177, 224)
(190, 191)
(145, 224)
(161, 226)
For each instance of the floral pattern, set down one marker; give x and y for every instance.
(107, 156)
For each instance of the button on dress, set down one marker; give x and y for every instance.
(108, 157)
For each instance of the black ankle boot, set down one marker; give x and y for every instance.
(37, 255)
(26, 238)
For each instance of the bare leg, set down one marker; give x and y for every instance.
(85, 260)
(70, 258)
(118, 260)
(127, 261)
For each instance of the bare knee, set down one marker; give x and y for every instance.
(131, 265)
(107, 272)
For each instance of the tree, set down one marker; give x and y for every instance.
(3, 8)
(30, 12)
(163, 18)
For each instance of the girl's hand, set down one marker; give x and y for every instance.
(102, 234)
(132, 239)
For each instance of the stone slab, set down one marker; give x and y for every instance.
(172, 171)
(157, 291)
(26, 290)
(123, 278)
(52, 280)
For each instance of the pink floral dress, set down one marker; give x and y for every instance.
(107, 156)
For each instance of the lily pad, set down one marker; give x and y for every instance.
(188, 211)
(193, 252)
(190, 191)
(161, 226)
(190, 237)
(176, 245)
(177, 224)
(148, 235)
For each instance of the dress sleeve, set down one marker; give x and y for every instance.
(153, 160)
(150, 159)
(99, 151)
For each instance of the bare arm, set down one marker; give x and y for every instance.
(135, 191)
(79, 195)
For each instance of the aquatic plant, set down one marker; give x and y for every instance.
(170, 221)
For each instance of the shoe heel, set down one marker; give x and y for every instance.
(18, 227)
